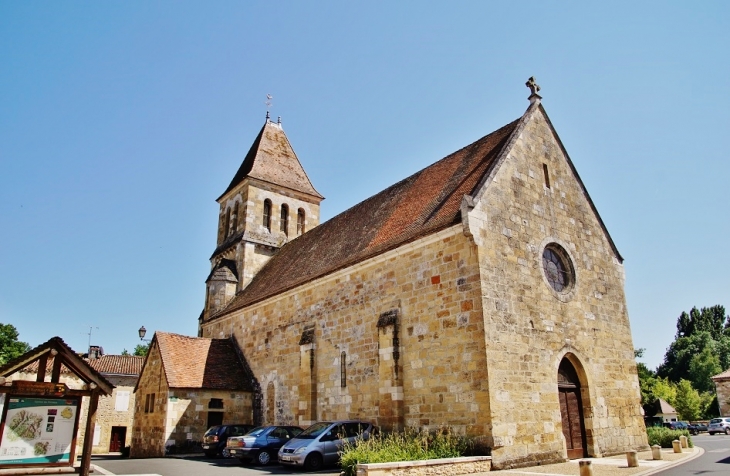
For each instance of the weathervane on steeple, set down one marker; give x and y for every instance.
(269, 97)
(534, 88)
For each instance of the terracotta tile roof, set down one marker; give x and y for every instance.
(199, 362)
(723, 376)
(423, 203)
(272, 159)
(106, 364)
(117, 364)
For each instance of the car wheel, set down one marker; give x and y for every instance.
(313, 462)
(711, 432)
(263, 458)
(727, 431)
(225, 453)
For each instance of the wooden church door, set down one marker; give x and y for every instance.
(118, 436)
(571, 410)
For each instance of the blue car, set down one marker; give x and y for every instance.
(261, 444)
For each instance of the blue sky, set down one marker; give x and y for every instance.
(121, 122)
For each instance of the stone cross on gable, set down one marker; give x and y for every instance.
(534, 88)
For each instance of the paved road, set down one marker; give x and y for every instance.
(715, 461)
(193, 466)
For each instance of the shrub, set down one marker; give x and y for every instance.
(664, 436)
(410, 445)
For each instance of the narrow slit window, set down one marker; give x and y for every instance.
(284, 222)
(234, 218)
(547, 175)
(267, 214)
(343, 370)
(300, 221)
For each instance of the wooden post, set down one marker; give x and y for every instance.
(42, 362)
(89, 434)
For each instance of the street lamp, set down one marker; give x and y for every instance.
(142, 331)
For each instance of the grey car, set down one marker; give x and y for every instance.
(321, 443)
(719, 425)
(261, 444)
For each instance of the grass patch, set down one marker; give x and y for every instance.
(664, 436)
(409, 445)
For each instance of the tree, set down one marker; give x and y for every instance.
(10, 346)
(125, 352)
(688, 402)
(141, 349)
(702, 367)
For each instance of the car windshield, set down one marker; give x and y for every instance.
(257, 431)
(314, 431)
(213, 430)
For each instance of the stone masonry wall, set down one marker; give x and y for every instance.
(723, 396)
(438, 370)
(530, 327)
(187, 412)
(148, 433)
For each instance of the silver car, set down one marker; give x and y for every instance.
(321, 443)
(719, 425)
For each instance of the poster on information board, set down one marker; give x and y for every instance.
(38, 430)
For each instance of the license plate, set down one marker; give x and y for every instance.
(285, 458)
(206, 447)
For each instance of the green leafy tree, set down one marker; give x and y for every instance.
(125, 352)
(688, 403)
(702, 367)
(665, 390)
(10, 346)
(141, 349)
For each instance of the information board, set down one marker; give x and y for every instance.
(38, 430)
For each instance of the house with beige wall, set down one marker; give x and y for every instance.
(483, 293)
(187, 385)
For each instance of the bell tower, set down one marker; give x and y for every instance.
(269, 202)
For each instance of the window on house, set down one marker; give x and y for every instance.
(216, 403)
(121, 403)
(300, 221)
(343, 370)
(284, 222)
(149, 403)
(267, 214)
(546, 174)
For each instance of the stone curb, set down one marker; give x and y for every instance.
(696, 453)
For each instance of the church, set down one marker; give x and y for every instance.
(483, 293)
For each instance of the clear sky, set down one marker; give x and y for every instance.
(122, 122)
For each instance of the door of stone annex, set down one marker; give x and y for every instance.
(118, 436)
(571, 410)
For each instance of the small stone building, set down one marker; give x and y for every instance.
(722, 387)
(483, 293)
(115, 412)
(187, 385)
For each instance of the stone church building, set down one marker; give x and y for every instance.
(483, 293)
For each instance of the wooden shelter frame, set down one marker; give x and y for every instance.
(56, 354)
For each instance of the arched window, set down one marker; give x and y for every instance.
(300, 221)
(226, 222)
(284, 222)
(343, 369)
(234, 217)
(267, 214)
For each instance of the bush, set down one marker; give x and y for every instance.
(664, 436)
(410, 445)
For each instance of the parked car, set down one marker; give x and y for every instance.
(261, 444)
(214, 440)
(321, 443)
(677, 425)
(719, 425)
(697, 428)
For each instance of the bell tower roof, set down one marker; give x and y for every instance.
(272, 159)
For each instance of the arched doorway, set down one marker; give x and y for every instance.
(571, 410)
